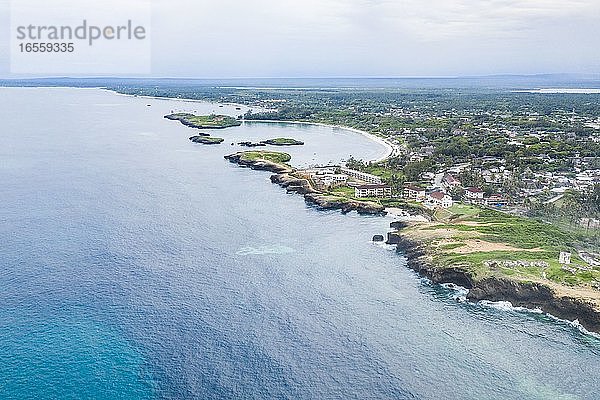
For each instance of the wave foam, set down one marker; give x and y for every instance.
(261, 250)
(460, 293)
(507, 306)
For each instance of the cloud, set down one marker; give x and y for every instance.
(226, 38)
(443, 19)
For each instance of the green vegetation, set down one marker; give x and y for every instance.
(515, 143)
(464, 210)
(273, 156)
(283, 142)
(343, 191)
(211, 121)
(526, 147)
(206, 139)
(487, 242)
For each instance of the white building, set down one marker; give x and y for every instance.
(414, 193)
(372, 190)
(590, 223)
(331, 180)
(564, 258)
(363, 176)
(320, 171)
(438, 199)
(475, 194)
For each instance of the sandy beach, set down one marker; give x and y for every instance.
(390, 148)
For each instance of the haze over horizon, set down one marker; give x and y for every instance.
(364, 38)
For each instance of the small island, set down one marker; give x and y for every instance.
(206, 139)
(273, 142)
(212, 121)
(283, 142)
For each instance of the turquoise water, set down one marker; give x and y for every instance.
(65, 355)
(136, 264)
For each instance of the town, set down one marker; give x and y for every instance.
(521, 152)
(441, 190)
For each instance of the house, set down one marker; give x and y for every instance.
(373, 190)
(363, 176)
(564, 258)
(438, 199)
(495, 200)
(330, 180)
(450, 182)
(589, 223)
(474, 194)
(414, 193)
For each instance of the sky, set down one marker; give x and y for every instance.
(321, 38)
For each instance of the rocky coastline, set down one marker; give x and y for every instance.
(284, 177)
(530, 295)
(204, 139)
(258, 164)
(533, 295)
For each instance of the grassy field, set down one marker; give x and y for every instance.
(273, 156)
(344, 191)
(464, 210)
(380, 171)
(283, 142)
(206, 139)
(488, 242)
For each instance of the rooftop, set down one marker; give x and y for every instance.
(474, 190)
(373, 186)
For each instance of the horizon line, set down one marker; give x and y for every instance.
(565, 74)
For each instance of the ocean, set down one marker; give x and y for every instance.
(138, 265)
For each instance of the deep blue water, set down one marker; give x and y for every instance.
(135, 264)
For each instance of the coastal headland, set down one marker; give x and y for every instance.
(499, 257)
(289, 178)
(496, 256)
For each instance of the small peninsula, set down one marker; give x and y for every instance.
(497, 256)
(212, 121)
(295, 181)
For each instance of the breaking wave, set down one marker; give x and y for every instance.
(261, 250)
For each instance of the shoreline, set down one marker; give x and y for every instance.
(390, 148)
(561, 307)
(564, 306)
(284, 177)
(531, 295)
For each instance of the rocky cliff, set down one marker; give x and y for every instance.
(522, 294)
